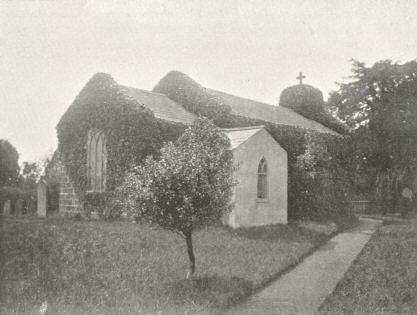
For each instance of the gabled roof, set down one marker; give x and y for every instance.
(266, 112)
(161, 105)
(238, 136)
(176, 85)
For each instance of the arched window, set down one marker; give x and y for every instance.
(96, 161)
(262, 179)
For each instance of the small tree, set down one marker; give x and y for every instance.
(189, 187)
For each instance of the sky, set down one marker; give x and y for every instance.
(252, 48)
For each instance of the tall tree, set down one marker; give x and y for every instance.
(189, 187)
(380, 106)
(9, 167)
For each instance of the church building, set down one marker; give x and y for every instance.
(260, 197)
(111, 127)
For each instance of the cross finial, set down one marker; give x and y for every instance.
(301, 77)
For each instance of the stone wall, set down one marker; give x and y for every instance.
(248, 209)
(69, 203)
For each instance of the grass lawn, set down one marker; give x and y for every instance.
(87, 267)
(383, 279)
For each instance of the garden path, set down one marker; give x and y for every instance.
(303, 289)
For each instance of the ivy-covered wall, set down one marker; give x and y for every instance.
(307, 101)
(131, 130)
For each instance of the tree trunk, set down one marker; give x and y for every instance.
(191, 256)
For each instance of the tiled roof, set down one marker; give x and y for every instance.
(237, 136)
(162, 106)
(266, 112)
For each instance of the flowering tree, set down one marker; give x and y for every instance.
(188, 187)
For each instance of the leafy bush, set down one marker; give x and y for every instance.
(323, 191)
(94, 202)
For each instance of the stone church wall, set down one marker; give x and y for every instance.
(248, 209)
(69, 203)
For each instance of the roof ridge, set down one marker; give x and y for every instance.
(242, 97)
(243, 128)
(274, 107)
(142, 90)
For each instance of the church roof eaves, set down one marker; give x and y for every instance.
(275, 114)
(238, 136)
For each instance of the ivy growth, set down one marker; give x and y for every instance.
(131, 130)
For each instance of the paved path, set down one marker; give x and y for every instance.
(303, 289)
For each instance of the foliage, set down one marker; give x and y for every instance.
(379, 105)
(131, 130)
(194, 97)
(94, 202)
(382, 279)
(319, 171)
(9, 167)
(189, 187)
(87, 267)
(307, 101)
(303, 99)
(29, 175)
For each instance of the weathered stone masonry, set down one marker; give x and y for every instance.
(69, 203)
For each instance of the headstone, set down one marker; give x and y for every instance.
(7, 207)
(41, 207)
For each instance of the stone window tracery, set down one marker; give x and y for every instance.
(96, 161)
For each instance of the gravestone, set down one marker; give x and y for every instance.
(7, 207)
(42, 203)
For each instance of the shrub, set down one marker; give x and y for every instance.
(94, 202)
(323, 185)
